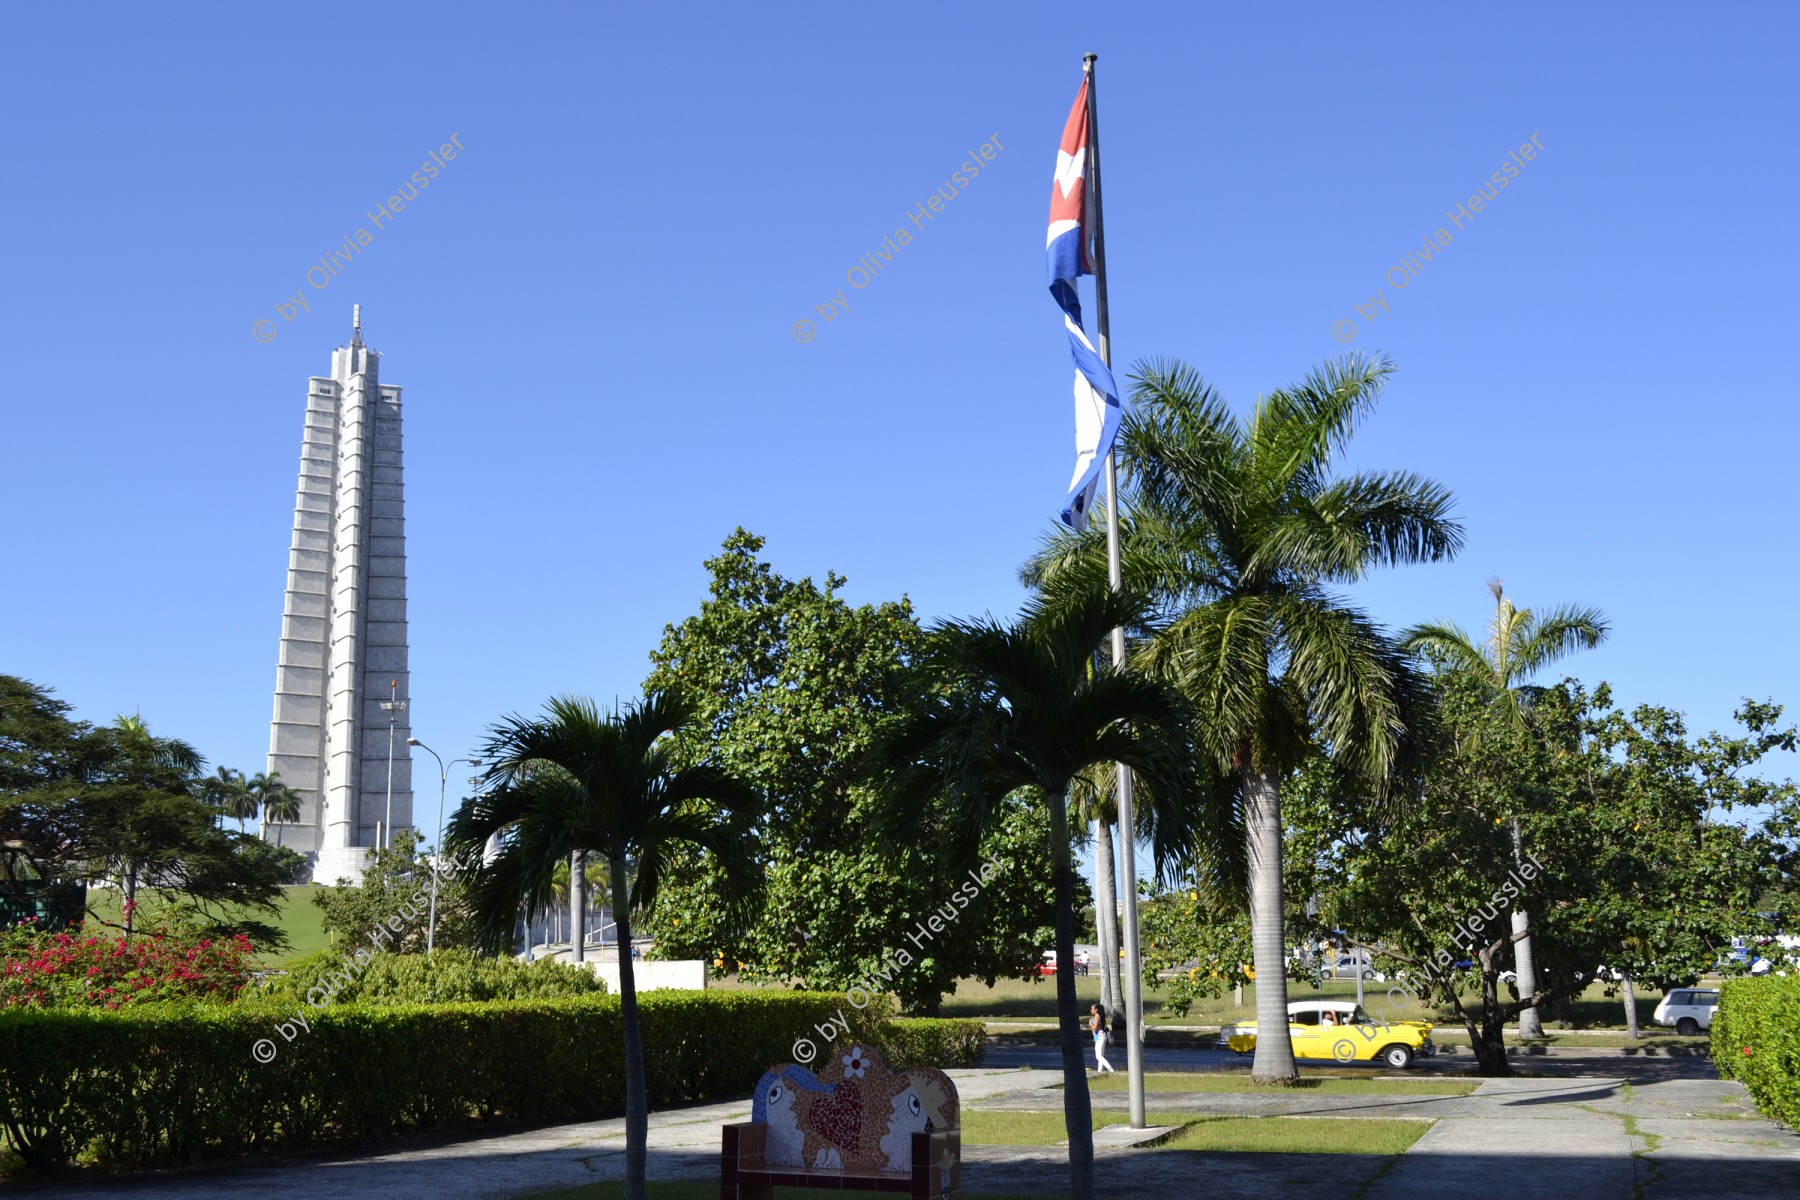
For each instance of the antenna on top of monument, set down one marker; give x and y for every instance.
(356, 324)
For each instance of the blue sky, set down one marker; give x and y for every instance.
(591, 312)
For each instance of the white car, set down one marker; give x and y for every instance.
(1345, 967)
(1689, 1010)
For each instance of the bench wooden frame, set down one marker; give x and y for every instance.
(744, 1175)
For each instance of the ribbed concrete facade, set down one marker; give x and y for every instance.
(343, 629)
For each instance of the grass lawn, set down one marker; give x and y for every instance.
(1300, 1135)
(710, 1191)
(299, 918)
(1274, 1135)
(1198, 1081)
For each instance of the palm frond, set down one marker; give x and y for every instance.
(1450, 645)
(1542, 640)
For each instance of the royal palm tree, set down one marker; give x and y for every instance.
(1238, 530)
(280, 803)
(1091, 802)
(1011, 708)
(227, 792)
(276, 800)
(582, 780)
(1519, 644)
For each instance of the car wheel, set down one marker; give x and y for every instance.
(1687, 1027)
(1370, 975)
(1397, 1057)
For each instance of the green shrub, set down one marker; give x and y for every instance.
(930, 1042)
(1756, 1041)
(447, 976)
(138, 1087)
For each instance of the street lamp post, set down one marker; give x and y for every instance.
(393, 706)
(438, 846)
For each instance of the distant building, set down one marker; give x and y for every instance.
(342, 661)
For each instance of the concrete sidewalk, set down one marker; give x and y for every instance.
(1615, 1136)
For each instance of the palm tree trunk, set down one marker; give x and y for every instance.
(1631, 1024)
(1530, 1026)
(577, 891)
(1078, 1114)
(1274, 1061)
(637, 1105)
(1106, 917)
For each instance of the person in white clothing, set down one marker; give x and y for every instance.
(1097, 1026)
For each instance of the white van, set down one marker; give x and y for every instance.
(1689, 1010)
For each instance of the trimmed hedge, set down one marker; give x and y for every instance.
(139, 1087)
(447, 977)
(930, 1042)
(1756, 1041)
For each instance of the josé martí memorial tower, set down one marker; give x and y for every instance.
(339, 732)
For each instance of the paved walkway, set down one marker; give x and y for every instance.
(1630, 1129)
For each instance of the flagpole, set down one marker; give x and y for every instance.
(1134, 999)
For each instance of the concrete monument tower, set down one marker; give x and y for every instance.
(338, 736)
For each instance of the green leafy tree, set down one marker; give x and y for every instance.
(82, 805)
(390, 909)
(788, 682)
(1238, 530)
(1016, 709)
(582, 781)
(1520, 643)
(1630, 865)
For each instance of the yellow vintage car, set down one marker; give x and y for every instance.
(1339, 1030)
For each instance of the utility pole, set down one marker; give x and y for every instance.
(393, 706)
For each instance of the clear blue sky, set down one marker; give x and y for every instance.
(591, 312)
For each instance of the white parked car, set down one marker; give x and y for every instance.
(1345, 967)
(1689, 1010)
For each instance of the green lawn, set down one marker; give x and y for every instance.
(1274, 1135)
(299, 918)
(1300, 1135)
(1197, 1081)
(1011, 1127)
(710, 1191)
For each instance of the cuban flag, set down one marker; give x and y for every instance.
(1097, 408)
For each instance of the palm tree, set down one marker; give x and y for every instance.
(1238, 530)
(579, 780)
(226, 791)
(1015, 708)
(280, 803)
(276, 800)
(559, 896)
(1091, 803)
(1519, 644)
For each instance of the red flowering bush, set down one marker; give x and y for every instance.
(77, 969)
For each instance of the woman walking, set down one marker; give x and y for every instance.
(1097, 1026)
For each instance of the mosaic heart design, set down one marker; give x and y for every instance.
(839, 1119)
